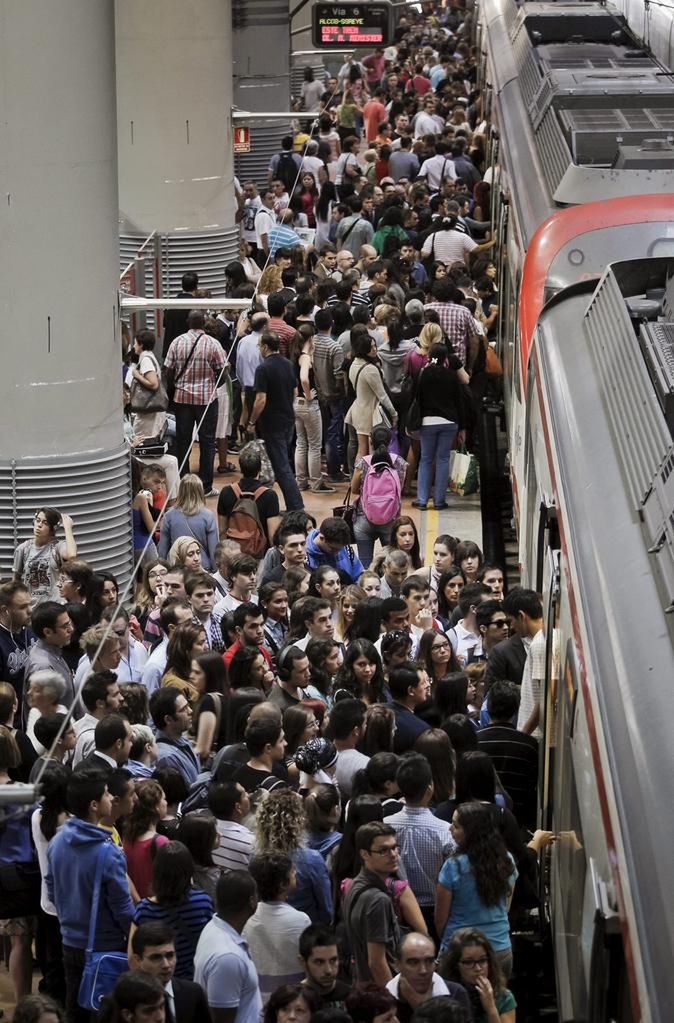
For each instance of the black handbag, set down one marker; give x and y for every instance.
(347, 511)
(20, 889)
(171, 378)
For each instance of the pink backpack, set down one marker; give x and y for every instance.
(380, 493)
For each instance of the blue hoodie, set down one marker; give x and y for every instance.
(72, 855)
(345, 561)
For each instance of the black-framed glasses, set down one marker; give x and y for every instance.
(472, 963)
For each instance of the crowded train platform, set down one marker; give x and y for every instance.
(292, 769)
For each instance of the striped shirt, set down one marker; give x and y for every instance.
(198, 382)
(424, 843)
(187, 920)
(235, 848)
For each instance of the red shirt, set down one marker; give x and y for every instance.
(419, 84)
(139, 860)
(284, 331)
(374, 113)
(231, 650)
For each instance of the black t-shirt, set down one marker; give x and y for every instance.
(333, 999)
(267, 503)
(249, 777)
(275, 377)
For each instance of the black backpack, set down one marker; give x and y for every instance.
(287, 170)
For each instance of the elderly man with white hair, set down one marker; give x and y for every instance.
(44, 696)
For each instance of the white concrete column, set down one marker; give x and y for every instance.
(61, 439)
(174, 94)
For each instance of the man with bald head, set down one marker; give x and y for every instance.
(417, 981)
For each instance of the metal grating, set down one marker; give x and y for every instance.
(529, 74)
(297, 76)
(554, 151)
(95, 491)
(265, 141)
(206, 253)
(636, 421)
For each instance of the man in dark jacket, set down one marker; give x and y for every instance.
(175, 320)
(153, 950)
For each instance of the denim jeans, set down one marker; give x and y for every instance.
(73, 965)
(436, 444)
(187, 417)
(366, 533)
(309, 429)
(277, 441)
(333, 412)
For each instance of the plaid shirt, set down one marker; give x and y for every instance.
(424, 843)
(458, 325)
(197, 383)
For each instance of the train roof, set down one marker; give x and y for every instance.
(608, 429)
(598, 108)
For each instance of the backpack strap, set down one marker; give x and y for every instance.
(236, 489)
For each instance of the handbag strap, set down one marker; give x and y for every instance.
(183, 370)
(98, 878)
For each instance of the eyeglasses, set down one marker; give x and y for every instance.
(472, 963)
(384, 850)
(440, 646)
(500, 623)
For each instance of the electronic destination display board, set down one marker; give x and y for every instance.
(341, 26)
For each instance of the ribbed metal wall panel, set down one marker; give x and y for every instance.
(207, 254)
(98, 488)
(265, 141)
(529, 75)
(638, 426)
(554, 151)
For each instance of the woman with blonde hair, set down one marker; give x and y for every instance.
(430, 334)
(269, 283)
(281, 827)
(186, 553)
(190, 517)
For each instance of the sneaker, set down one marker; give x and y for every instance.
(419, 504)
(302, 486)
(322, 488)
(441, 507)
(213, 492)
(341, 477)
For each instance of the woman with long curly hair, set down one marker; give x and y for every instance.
(281, 826)
(471, 962)
(141, 840)
(362, 675)
(476, 883)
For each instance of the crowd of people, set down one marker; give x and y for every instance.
(294, 777)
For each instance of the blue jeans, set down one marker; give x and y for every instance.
(277, 441)
(366, 533)
(187, 417)
(333, 432)
(436, 444)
